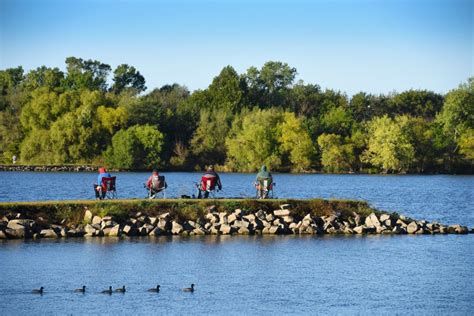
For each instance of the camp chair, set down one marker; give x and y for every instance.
(158, 188)
(108, 187)
(264, 188)
(208, 186)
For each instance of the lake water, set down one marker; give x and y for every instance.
(241, 275)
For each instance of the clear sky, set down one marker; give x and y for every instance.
(373, 46)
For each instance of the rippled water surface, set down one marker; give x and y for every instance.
(242, 275)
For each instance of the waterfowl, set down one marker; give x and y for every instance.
(121, 290)
(83, 290)
(109, 291)
(157, 289)
(38, 291)
(189, 289)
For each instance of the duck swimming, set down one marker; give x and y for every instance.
(38, 291)
(82, 290)
(109, 291)
(189, 289)
(157, 289)
(121, 290)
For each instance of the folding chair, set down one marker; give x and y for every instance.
(264, 188)
(158, 188)
(108, 186)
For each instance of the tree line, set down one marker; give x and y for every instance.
(89, 114)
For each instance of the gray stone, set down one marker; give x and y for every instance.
(384, 217)
(48, 233)
(398, 230)
(412, 227)
(401, 223)
(372, 221)
(458, 229)
(15, 233)
(243, 231)
(359, 229)
(96, 220)
(244, 224)
(3, 235)
(165, 216)
(281, 212)
(231, 218)
(288, 219)
(114, 231)
(176, 228)
(284, 206)
(214, 230)
(249, 217)
(269, 217)
(238, 212)
(274, 229)
(260, 214)
(22, 222)
(106, 231)
(13, 224)
(130, 230)
(88, 216)
(198, 231)
(266, 224)
(211, 217)
(225, 229)
(164, 224)
(157, 232)
(152, 220)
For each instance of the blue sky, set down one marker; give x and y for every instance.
(373, 46)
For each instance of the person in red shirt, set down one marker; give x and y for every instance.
(155, 184)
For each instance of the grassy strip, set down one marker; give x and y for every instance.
(181, 209)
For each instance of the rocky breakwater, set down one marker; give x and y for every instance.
(42, 168)
(237, 222)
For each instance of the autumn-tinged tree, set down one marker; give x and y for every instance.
(336, 155)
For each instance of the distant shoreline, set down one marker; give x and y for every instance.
(93, 168)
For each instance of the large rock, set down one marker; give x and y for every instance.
(114, 231)
(3, 235)
(231, 218)
(164, 224)
(96, 220)
(15, 233)
(372, 221)
(48, 233)
(225, 229)
(281, 213)
(384, 217)
(130, 230)
(88, 217)
(243, 231)
(176, 228)
(412, 227)
(359, 229)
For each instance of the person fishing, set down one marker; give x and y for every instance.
(208, 183)
(263, 183)
(99, 191)
(155, 184)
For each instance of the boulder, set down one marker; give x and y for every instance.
(114, 231)
(359, 229)
(152, 220)
(15, 233)
(89, 230)
(288, 219)
(249, 217)
(244, 224)
(260, 214)
(130, 230)
(176, 228)
(384, 217)
(157, 232)
(231, 218)
(48, 233)
(281, 213)
(88, 216)
(372, 221)
(96, 220)
(274, 229)
(211, 217)
(225, 229)
(243, 231)
(412, 227)
(401, 223)
(165, 216)
(457, 229)
(164, 224)
(198, 231)
(3, 235)
(269, 217)
(13, 224)
(398, 230)
(238, 212)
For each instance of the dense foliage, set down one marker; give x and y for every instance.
(92, 114)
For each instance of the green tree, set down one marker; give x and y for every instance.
(336, 155)
(208, 142)
(137, 147)
(295, 142)
(86, 74)
(127, 77)
(253, 140)
(389, 147)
